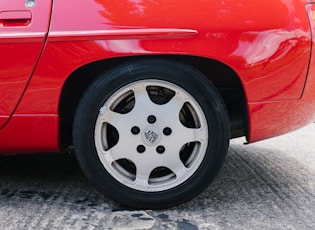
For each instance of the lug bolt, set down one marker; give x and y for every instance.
(141, 149)
(160, 149)
(135, 130)
(167, 131)
(151, 119)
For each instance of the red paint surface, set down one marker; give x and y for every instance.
(30, 133)
(22, 36)
(266, 43)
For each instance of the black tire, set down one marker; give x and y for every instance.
(176, 154)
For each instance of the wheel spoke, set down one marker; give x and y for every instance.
(182, 135)
(115, 119)
(119, 151)
(174, 106)
(143, 172)
(176, 166)
(142, 99)
(193, 135)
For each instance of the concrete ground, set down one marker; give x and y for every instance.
(265, 185)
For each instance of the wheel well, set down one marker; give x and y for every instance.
(223, 77)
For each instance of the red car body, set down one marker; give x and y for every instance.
(268, 46)
(50, 51)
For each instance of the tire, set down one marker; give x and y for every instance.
(151, 133)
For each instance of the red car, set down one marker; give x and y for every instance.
(150, 92)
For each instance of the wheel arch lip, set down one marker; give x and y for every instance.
(111, 63)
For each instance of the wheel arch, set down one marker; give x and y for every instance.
(222, 76)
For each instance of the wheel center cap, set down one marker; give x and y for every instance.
(151, 136)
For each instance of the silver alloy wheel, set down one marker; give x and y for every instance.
(151, 135)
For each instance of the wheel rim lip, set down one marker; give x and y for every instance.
(164, 182)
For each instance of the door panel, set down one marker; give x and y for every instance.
(23, 28)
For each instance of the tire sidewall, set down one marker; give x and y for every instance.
(179, 74)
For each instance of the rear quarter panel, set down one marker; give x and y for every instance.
(267, 43)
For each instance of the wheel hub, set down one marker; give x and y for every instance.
(159, 144)
(151, 136)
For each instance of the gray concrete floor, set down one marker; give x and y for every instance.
(265, 185)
